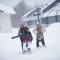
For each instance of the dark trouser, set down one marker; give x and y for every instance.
(37, 43)
(42, 40)
(22, 45)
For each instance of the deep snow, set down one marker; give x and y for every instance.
(10, 49)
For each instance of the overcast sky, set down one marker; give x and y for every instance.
(30, 3)
(10, 3)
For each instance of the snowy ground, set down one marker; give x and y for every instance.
(10, 49)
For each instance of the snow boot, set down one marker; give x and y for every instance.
(29, 50)
(24, 51)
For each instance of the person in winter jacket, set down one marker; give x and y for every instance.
(19, 33)
(39, 35)
(25, 37)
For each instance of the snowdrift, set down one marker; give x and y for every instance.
(52, 34)
(11, 49)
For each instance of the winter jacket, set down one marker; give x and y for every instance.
(40, 36)
(40, 30)
(26, 37)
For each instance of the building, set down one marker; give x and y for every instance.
(5, 21)
(50, 14)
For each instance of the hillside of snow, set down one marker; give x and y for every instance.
(10, 49)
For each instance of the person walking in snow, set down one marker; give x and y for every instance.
(39, 35)
(25, 37)
(20, 32)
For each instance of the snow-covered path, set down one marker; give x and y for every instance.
(10, 49)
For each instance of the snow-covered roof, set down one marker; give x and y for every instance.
(53, 11)
(24, 16)
(7, 9)
(42, 8)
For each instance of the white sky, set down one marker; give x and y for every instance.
(30, 3)
(10, 3)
